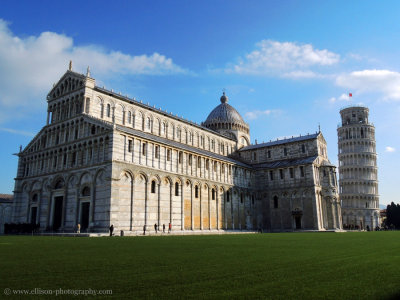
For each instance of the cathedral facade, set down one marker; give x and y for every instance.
(103, 158)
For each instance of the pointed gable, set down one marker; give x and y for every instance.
(69, 82)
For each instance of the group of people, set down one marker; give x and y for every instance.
(156, 228)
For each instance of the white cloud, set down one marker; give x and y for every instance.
(285, 59)
(390, 149)
(252, 115)
(15, 131)
(30, 65)
(301, 74)
(385, 82)
(341, 98)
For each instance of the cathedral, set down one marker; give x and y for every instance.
(103, 158)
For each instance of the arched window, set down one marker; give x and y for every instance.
(196, 192)
(144, 149)
(241, 198)
(87, 105)
(180, 157)
(108, 110)
(78, 107)
(129, 117)
(275, 201)
(227, 196)
(168, 155)
(153, 187)
(213, 194)
(86, 191)
(35, 198)
(148, 123)
(163, 128)
(176, 189)
(59, 184)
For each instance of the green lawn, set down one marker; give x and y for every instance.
(363, 265)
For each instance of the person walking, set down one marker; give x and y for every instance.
(169, 227)
(78, 228)
(111, 229)
(155, 227)
(163, 228)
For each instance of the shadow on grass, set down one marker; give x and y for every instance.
(395, 296)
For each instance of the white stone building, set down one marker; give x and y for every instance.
(103, 158)
(358, 170)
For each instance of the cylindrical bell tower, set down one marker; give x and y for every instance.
(358, 171)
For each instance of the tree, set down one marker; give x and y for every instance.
(393, 215)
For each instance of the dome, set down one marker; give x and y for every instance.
(224, 113)
(224, 116)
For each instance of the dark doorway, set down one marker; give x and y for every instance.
(33, 215)
(85, 207)
(298, 222)
(58, 204)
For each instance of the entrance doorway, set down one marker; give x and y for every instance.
(298, 222)
(85, 208)
(57, 216)
(33, 215)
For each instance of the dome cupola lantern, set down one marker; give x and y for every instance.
(224, 98)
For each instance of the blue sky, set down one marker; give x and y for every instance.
(287, 66)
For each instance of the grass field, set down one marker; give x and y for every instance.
(363, 265)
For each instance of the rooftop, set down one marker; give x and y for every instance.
(283, 141)
(6, 197)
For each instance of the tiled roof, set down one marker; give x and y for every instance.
(284, 141)
(180, 145)
(286, 163)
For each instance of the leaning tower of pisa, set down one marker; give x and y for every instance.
(358, 171)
